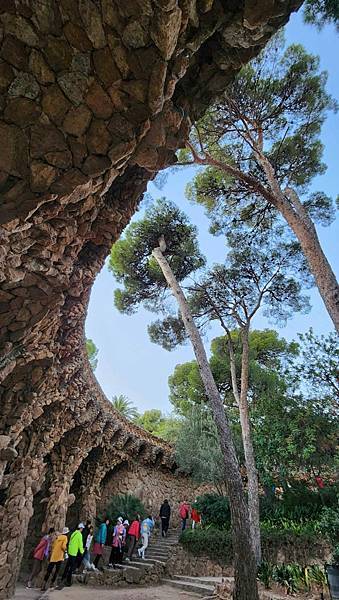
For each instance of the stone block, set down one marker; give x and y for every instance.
(96, 165)
(105, 66)
(99, 101)
(25, 85)
(98, 137)
(77, 37)
(13, 150)
(15, 52)
(165, 31)
(6, 75)
(54, 104)
(91, 19)
(40, 68)
(42, 176)
(58, 54)
(22, 111)
(77, 120)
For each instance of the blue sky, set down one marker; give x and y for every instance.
(128, 362)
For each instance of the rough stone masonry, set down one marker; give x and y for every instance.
(96, 97)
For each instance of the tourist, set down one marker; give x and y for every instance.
(100, 541)
(89, 566)
(118, 543)
(165, 513)
(75, 546)
(59, 548)
(40, 553)
(196, 518)
(84, 539)
(184, 511)
(133, 537)
(146, 530)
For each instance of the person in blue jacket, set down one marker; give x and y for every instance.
(100, 541)
(146, 529)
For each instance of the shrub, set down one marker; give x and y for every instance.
(329, 524)
(299, 504)
(126, 506)
(292, 577)
(214, 510)
(211, 542)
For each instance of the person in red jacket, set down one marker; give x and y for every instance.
(133, 537)
(40, 553)
(184, 513)
(196, 518)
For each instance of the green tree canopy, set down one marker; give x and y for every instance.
(269, 354)
(165, 427)
(133, 266)
(92, 352)
(322, 12)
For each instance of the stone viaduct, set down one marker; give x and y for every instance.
(96, 97)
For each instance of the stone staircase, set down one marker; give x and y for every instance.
(146, 571)
(202, 586)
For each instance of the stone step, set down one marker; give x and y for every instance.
(142, 564)
(202, 589)
(204, 580)
(151, 561)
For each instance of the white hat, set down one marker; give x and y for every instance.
(120, 519)
(126, 522)
(65, 530)
(81, 526)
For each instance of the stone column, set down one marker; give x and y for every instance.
(59, 498)
(90, 496)
(15, 516)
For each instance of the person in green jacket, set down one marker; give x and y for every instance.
(75, 547)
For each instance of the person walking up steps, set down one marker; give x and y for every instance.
(184, 512)
(100, 541)
(165, 513)
(146, 529)
(133, 537)
(59, 548)
(119, 538)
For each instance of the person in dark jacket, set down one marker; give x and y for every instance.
(165, 513)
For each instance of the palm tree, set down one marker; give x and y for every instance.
(125, 407)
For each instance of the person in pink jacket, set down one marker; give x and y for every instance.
(40, 553)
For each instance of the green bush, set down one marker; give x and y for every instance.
(126, 506)
(214, 510)
(212, 542)
(300, 507)
(216, 543)
(329, 524)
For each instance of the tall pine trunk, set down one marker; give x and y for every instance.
(245, 586)
(297, 217)
(252, 475)
(242, 401)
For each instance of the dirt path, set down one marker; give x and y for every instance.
(163, 592)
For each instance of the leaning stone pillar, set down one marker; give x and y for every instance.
(14, 518)
(59, 498)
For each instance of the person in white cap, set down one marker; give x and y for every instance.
(118, 543)
(57, 557)
(75, 545)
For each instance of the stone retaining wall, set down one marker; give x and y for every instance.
(183, 562)
(151, 487)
